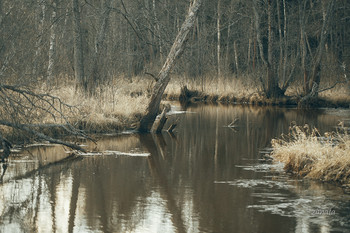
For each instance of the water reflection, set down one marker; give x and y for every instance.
(206, 177)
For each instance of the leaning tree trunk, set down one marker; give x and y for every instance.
(163, 76)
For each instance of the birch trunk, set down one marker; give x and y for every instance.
(157, 30)
(52, 49)
(163, 76)
(219, 40)
(236, 56)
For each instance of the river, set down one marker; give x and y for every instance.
(206, 177)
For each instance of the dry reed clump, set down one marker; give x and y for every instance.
(306, 153)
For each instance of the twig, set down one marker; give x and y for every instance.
(333, 86)
(155, 78)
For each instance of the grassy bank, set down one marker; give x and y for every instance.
(245, 90)
(115, 106)
(306, 153)
(119, 104)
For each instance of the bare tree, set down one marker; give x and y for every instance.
(78, 46)
(52, 49)
(96, 72)
(39, 42)
(218, 33)
(24, 110)
(163, 76)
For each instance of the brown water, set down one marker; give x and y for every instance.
(206, 177)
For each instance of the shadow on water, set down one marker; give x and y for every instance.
(206, 177)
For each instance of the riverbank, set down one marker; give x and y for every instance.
(307, 153)
(119, 104)
(236, 91)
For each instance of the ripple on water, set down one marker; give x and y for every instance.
(263, 167)
(281, 195)
(249, 183)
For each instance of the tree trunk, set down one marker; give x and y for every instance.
(285, 46)
(303, 47)
(163, 76)
(52, 49)
(316, 68)
(279, 70)
(78, 47)
(236, 56)
(39, 42)
(219, 40)
(273, 89)
(96, 72)
(270, 87)
(257, 28)
(157, 30)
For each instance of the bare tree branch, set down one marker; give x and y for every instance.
(41, 135)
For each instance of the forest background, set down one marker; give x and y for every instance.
(92, 64)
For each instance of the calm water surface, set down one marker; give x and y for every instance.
(206, 177)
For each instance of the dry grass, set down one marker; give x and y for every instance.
(307, 153)
(211, 85)
(120, 103)
(223, 89)
(115, 106)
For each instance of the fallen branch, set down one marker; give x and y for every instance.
(67, 127)
(173, 126)
(160, 121)
(41, 135)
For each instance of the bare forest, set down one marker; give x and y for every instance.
(72, 65)
(174, 116)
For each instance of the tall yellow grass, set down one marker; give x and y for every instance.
(239, 87)
(121, 102)
(307, 153)
(113, 107)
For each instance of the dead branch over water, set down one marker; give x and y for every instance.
(24, 110)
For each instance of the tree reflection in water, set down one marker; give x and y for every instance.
(204, 178)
